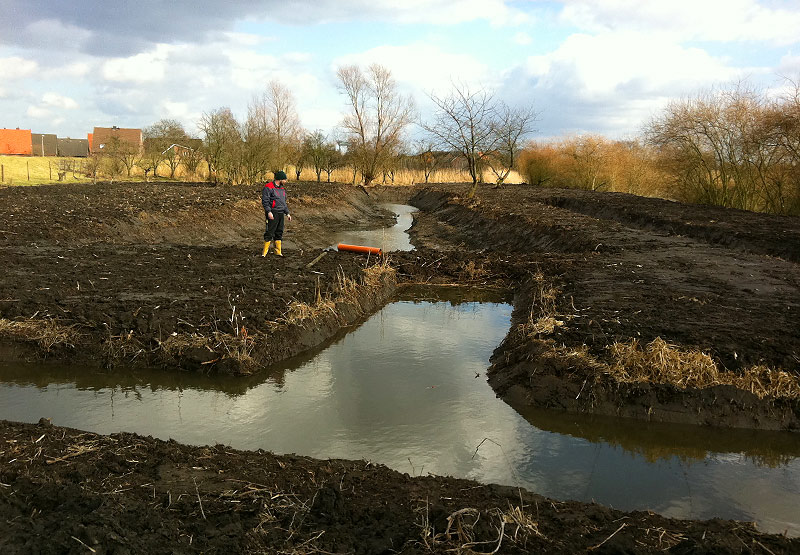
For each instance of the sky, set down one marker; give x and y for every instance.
(586, 66)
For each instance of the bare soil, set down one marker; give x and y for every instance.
(622, 275)
(171, 275)
(66, 491)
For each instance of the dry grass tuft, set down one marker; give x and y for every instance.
(461, 536)
(661, 362)
(543, 326)
(300, 312)
(47, 333)
(375, 275)
(474, 272)
(542, 318)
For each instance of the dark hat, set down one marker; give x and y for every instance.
(279, 175)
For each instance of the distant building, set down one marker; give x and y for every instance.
(73, 148)
(16, 141)
(44, 144)
(102, 135)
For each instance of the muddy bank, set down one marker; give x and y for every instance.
(605, 292)
(736, 229)
(172, 274)
(69, 491)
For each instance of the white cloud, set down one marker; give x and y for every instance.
(608, 64)
(76, 69)
(55, 34)
(251, 70)
(423, 67)
(180, 111)
(146, 67)
(37, 112)
(247, 39)
(15, 67)
(715, 20)
(297, 57)
(790, 66)
(522, 38)
(612, 82)
(57, 101)
(436, 12)
(444, 12)
(3, 93)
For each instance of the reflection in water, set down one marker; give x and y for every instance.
(407, 388)
(656, 441)
(387, 239)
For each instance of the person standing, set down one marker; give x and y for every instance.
(273, 198)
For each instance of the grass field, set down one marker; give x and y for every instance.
(40, 170)
(34, 170)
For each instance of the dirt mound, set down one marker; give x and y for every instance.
(734, 229)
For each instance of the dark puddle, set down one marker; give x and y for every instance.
(407, 388)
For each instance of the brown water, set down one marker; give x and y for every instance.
(408, 389)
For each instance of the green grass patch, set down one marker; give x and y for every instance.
(36, 170)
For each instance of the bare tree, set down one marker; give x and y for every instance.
(164, 134)
(123, 153)
(333, 159)
(259, 142)
(587, 162)
(464, 122)
(295, 153)
(191, 157)
(222, 143)
(282, 120)
(314, 148)
(720, 147)
(510, 128)
(425, 159)
(378, 115)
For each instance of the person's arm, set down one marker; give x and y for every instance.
(266, 201)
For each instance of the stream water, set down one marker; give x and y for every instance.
(388, 239)
(407, 388)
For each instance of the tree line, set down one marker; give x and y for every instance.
(470, 130)
(735, 147)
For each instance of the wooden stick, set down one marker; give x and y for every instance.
(202, 512)
(624, 524)
(317, 259)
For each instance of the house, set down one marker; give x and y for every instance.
(73, 148)
(186, 146)
(102, 135)
(16, 141)
(44, 144)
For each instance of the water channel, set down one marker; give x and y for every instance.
(407, 388)
(388, 239)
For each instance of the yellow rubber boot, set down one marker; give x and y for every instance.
(266, 248)
(278, 248)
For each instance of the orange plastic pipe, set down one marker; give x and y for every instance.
(358, 248)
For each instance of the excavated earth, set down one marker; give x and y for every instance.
(620, 268)
(171, 275)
